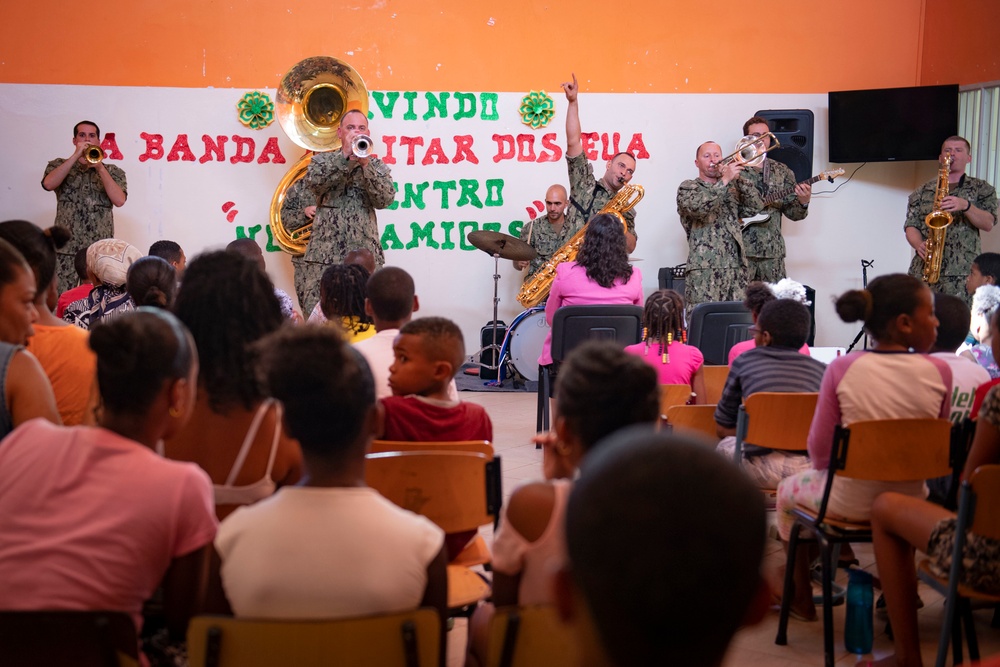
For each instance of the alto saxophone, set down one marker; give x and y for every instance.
(937, 222)
(536, 289)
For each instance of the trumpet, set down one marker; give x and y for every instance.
(750, 151)
(93, 154)
(361, 146)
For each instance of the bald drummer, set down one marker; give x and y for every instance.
(547, 234)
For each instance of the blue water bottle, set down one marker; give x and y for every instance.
(858, 631)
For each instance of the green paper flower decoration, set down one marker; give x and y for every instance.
(537, 109)
(256, 110)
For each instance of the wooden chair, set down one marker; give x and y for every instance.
(693, 418)
(671, 395)
(81, 638)
(978, 511)
(887, 450)
(529, 636)
(458, 491)
(775, 420)
(715, 380)
(410, 639)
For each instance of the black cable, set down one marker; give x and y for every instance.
(842, 184)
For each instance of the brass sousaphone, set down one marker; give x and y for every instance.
(312, 97)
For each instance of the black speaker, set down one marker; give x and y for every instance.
(794, 129)
(489, 356)
(672, 277)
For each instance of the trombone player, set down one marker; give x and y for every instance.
(710, 208)
(348, 188)
(86, 190)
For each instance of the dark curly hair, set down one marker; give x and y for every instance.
(152, 281)
(886, 298)
(38, 247)
(228, 303)
(603, 252)
(758, 295)
(342, 293)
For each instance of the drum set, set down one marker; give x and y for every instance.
(522, 343)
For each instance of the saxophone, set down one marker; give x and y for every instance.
(536, 289)
(937, 222)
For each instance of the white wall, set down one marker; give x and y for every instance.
(183, 200)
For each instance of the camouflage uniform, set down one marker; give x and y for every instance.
(84, 208)
(587, 195)
(542, 236)
(347, 195)
(710, 214)
(962, 242)
(293, 217)
(763, 242)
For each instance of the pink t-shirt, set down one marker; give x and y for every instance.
(91, 520)
(572, 287)
(744, 345)
(685, 360)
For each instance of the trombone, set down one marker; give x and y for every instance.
(750, 150)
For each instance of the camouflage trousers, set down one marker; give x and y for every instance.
(954, 285)
(66, 270)
(307, 277)
(766, 269)
(704, 285)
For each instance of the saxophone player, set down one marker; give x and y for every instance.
(972, 204)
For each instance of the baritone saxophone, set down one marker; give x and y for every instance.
(937, 222)
(536, 289)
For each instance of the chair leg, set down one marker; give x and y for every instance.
(970, 628)
(826, 563)
(995, 623)
(956, 636)
(786, 594)
(541, 421)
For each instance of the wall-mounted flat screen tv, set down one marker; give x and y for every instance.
(891, 124)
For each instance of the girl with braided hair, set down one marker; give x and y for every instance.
(342, 300)
(664, 343)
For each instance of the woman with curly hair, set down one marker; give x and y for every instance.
(985, 303)
(601, 274)
(235, 433)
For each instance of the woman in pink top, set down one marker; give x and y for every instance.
(664, 345)
(601, 274)
(600, 390)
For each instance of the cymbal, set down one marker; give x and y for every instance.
(503, 245)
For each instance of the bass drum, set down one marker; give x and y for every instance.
(527, 337)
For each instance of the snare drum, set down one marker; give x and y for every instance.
(524, 341)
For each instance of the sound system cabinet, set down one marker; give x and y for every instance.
(794, 130)
(489, 356)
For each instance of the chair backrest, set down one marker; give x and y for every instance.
(776, 420)
(530, 636)
(985, 484)
(410, 639)
(84, 638)
(458, 491)
(700, 418)
(571, 325)
(673, 394)
(893, 450)
(716, 326)
(480, 446)
(715, 379)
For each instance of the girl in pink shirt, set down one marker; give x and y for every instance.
(664, 343)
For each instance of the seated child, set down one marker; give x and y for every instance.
(664, 333)
(80, 291)
(342, 301)
(648, 495)
(774, 365)
(985, 303)
(330, 547)
(760, 294)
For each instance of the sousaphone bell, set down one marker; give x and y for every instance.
(312, 98)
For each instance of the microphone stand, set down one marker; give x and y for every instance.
(865, 265)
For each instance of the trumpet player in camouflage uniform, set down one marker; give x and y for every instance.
(710, 208)
(763, 242)
(973, 205)
(348, 190)
(85, 194)
(546, 235)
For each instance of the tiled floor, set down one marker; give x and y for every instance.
(513, 416)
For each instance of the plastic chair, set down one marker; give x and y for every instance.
(886, 450)
(82, 638)
(458, 491)
(775, 420)
(716, 326)
(715, 379)
(572, 325)
(978, 511)
(529, 636)
(671, 395)
(410, 639)
(695, 418)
